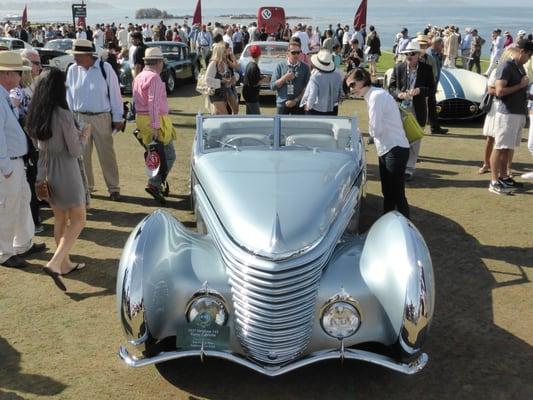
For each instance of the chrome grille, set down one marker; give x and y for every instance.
(274, 301)
(457, 109)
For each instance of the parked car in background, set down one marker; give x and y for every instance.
(276, 276)
(180, 64)
(54, 54)
(459, 93)
(271, 54)
(14, 44)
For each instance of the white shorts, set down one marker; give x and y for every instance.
(508, 130)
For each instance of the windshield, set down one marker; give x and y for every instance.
(4, 42)
(59, 45)
(270, 50)
(295, 133)
(168, 48)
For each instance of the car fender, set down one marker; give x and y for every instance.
(163, 264)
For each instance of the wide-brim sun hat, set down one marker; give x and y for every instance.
(422, 39)
(12, 61)
(323, 61)
(412, 46)
(82, 46)
(153, 53)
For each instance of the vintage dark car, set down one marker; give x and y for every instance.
(276, 276)
(180, 64)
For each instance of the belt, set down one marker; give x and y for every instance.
(16, 158)
(92, 113)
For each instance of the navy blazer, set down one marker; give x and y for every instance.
(425, 81)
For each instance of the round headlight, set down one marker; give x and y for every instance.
(439, 109)
(473, 108)
(207, 309)
(340, 320)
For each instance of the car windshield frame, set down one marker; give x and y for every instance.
(273, 133)
(62, 44)
(265, 50)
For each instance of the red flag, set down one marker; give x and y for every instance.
(197, 17)
(360, 15)
(24, 21)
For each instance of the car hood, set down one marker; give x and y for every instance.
(456, 83)
(276, 203)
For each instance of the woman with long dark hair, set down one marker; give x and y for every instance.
(60, 143)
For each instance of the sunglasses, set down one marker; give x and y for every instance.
(295, 52)
(352, 84)
(413, 53)
(36, 63)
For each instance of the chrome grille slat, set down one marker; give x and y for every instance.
(274, 299)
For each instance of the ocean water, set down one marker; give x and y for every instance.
(388, 20)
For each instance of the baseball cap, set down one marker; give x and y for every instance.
(255, 51)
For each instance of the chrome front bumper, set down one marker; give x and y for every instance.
(342, 354)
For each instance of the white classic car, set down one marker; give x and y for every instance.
(54, 54)
(459, 93)
(14, 44)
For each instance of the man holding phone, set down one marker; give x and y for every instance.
(289, 80)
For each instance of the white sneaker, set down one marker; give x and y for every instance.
(527, 175)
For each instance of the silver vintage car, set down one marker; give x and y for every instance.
(276, 276)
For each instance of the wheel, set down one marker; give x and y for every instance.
(171, 82)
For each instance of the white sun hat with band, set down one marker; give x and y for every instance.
(12, 61)
(323, 61)
(82, 46)
(412, 47)
(153, 53)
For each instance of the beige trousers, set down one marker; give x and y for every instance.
(103, 141)
(16, 226)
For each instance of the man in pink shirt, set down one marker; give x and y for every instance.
(153, 122)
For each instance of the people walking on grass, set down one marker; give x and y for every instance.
(373, 51)
(252, 81)
(511, 88)
(475, 51)
(289, 80)
(17, 227)
(385, 127)
(219, 78)
(496, 50)
(93, 94)
(60, 142)
(411, 83)
(152, 119)
(529, 71)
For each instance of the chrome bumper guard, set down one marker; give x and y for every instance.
(347, 354)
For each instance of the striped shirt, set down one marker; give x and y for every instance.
(150, 96)
(12, 138)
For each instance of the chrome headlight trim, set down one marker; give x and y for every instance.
(207, 298)
(350, 305)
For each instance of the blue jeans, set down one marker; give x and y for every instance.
(170, 156)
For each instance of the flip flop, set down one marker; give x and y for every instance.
(55, 276)
(77, 267)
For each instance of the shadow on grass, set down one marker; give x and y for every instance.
(470, 356)
(17, 380)
(182, 204)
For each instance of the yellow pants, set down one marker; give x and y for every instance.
(168, 132)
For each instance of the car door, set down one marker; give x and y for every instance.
(183, 66)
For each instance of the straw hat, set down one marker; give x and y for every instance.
(82, 46)
(422, 39)
(323, 61)
(153, 53)
(11, 61)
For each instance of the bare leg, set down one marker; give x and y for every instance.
(489, 145)
(60, 260)
(509, 163)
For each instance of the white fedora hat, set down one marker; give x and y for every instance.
(323, 61)
(412, 46)
(12, 61)
(153, 53)
(82, 46)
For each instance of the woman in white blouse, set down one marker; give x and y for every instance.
(385, 127)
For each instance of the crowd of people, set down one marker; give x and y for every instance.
(50, 121)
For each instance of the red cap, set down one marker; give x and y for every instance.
(255, 50)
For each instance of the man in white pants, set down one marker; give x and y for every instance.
(16, 226)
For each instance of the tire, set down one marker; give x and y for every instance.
(171, 82)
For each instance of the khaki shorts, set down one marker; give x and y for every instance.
(508, 130)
